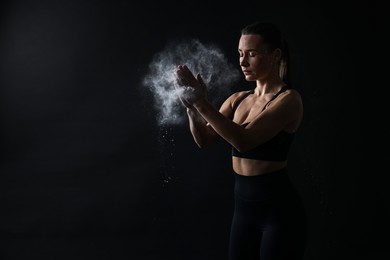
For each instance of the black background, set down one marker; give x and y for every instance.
(85, 173)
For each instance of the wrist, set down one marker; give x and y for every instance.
(191, 111)
(200, 103)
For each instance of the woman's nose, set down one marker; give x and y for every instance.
(243, 62)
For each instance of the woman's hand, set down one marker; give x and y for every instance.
(191, 88)
(185, 103)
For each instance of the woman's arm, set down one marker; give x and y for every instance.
(203, 134)
(281, 113)
(201, 131)
(267, 124)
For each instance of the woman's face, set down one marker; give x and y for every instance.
(255, 60)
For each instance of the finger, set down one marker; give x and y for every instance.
(189, 73)
(179, 84)
(180, 80)
(201, 82)
(200, 79)
(184, 72)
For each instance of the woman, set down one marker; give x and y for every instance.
(259, 124)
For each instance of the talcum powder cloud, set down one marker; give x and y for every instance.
(206, 59)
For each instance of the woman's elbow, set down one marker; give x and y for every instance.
(200, 145)
(204, 143)
(242, 147)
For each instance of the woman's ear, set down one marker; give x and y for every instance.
(277, 53)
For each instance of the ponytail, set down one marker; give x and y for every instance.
(284, 67)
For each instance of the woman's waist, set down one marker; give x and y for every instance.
(251, 167)
(270, 186)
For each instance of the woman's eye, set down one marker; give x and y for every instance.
(249, 54)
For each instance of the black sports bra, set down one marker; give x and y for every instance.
(275, 149)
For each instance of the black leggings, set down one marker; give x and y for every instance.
(269, 219)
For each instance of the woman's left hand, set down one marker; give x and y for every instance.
(192, 89)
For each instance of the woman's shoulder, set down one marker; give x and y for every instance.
(239, 94)
(292, 94)
(290, 98)
(236, 97)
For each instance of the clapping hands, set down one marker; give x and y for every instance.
(191, 89)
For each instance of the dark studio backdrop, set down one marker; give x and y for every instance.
(87, 173)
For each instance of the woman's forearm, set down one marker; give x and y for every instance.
(202, 133)
(224, 127)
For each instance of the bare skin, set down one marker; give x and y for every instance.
(207, 124)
